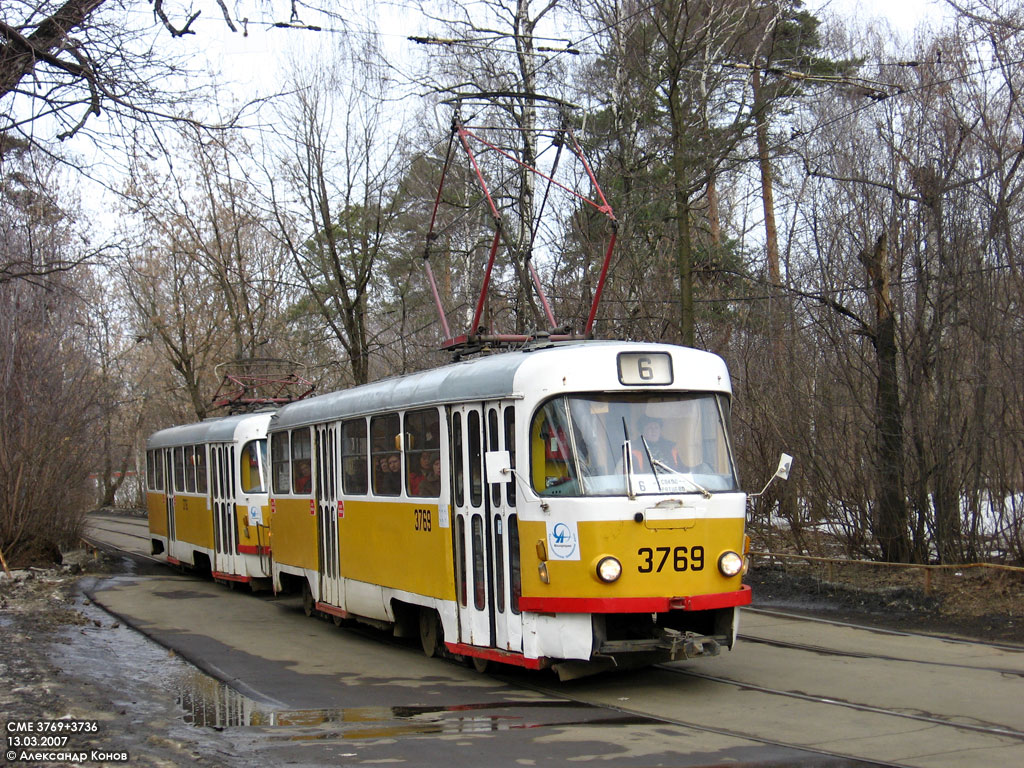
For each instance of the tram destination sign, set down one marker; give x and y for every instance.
(644, 368)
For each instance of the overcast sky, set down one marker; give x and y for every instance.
(904, 15)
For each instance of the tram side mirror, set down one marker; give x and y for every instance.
(498, 465)
(784, 465)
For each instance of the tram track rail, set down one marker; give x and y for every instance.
(90, 537)
(880, 630)
(992, 730)
(700, 727)
(119, 532)
(980, 728)
(519, 679)
(826, 651)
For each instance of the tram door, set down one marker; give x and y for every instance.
(328, 494)
(469, 526)
(225, 525)
(169, 496)
(503, 532)
(481, 531)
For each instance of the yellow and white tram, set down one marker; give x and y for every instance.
(207, 497)
(566, 503)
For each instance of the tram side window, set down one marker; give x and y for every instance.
(158, 470)
(353, 457)
(385, 457)
(492, 445)
(201, 486)
(219, 480)
(479, 566)
(499, 562)
(150, 480)
(515, 573)
(302, 457)
(476, 478)
(179, 469)
(423, 453)
(510, 446)
(250, 469)
(279, 462)
(550, 451)
(190, 469)
(459, 475)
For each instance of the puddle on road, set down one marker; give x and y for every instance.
(205, 702)
(209, 703)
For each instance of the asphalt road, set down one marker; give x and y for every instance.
(793, 692)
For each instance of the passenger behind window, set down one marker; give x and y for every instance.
(394, 474)
(430, 485)
(389, 475)
(303, 480)
(416, 477)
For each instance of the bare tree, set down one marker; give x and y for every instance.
(204, 281)
(899, 257)
(64, 63)
(334, 210)
(52, 397)
(28, 184)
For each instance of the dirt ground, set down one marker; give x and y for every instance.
(61, 657)
(972, 603)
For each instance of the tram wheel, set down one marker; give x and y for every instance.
(430, 631)
(307, 599)
(480, 664)
(336, 619)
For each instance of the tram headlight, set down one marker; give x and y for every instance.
(730, 563)
(609, 569)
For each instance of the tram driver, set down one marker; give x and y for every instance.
(687, 456)
(661, 449)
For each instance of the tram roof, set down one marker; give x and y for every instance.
(485, 378)
(220, 429)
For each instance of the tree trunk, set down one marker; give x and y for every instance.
(684, 245)
(890, 513)
(771, 237)
(19, 55)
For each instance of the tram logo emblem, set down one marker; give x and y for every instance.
(562, 541)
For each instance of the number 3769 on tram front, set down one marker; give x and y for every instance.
(572, 505)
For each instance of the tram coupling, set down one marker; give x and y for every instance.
(690, 643)
(669, 645)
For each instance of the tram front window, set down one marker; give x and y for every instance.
(607, 445)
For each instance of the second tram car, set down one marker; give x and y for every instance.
(568, 504)
(207, 497)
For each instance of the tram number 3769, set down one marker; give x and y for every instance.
(682, 559)
(422, 517)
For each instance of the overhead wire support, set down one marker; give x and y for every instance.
(478, 313)
(477, 338)
(432, 235)
(250, 384)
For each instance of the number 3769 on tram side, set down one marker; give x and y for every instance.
(573, 504)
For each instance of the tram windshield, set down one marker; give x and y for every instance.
(632, 444)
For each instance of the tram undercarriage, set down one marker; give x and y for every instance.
(634, 640)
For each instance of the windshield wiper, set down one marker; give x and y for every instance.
(656, 465)
(652, 460)
(627, 460)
